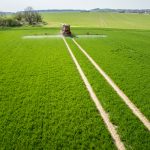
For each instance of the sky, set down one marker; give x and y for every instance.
(17, 5)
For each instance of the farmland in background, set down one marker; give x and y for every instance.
(43, 101)
(100, 20)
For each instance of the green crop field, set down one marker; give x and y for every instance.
(100, 20)
(44, 103)
(125, 56)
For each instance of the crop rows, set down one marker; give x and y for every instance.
(131, 130)
(43, 102)
(124, 55)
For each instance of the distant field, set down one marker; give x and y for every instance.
(101, 20)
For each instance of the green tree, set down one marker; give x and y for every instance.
(31, 16)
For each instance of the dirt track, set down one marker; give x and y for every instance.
(123, 96)
(111, 128)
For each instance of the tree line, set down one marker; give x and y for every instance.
(27, 17)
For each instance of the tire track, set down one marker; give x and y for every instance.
(111, 128)
(123, 96)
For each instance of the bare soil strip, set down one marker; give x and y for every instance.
(127, 101)
(109, 125)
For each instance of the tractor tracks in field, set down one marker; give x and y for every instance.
(111, 128)
(116, 88)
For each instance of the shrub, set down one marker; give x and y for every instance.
(9, 22)
(29, 16)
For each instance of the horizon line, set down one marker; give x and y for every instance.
(78, 9)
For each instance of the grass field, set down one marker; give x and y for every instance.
(100, 20)
(44, 103)
(41, 104)
(125, 56)
(120, 115)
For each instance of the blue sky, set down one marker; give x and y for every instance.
(15, 5)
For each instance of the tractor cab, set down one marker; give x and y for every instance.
(66, 30)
